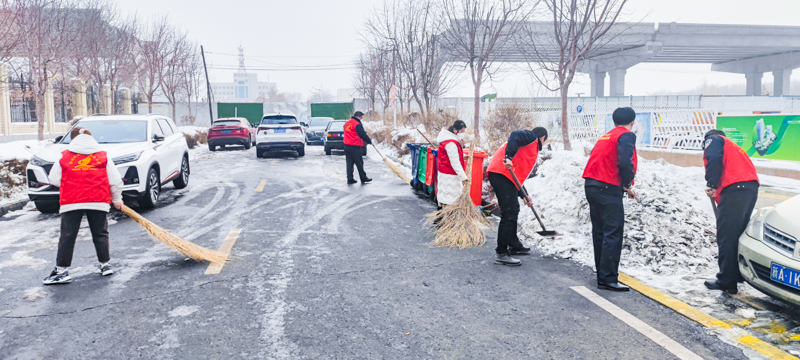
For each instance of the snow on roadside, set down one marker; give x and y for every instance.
(22, 149)
(192, 130)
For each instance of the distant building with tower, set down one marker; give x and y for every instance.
(245, 86)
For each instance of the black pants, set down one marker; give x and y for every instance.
(608, 223)
(735, 207)
(354, 156)
(508, 200)
(71, 223)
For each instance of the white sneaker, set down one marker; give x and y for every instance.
(105, 269)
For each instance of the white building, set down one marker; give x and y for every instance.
(245, 86)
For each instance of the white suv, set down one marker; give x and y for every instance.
(148, 150)
(280, 132)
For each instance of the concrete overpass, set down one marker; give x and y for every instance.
(751, 50)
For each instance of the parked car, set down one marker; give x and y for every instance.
(315, 131)
(230, 131)
(148, 150)
(280, 132)
(769, 255)
(334, 136)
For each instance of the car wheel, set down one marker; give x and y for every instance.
(183, 178)
(47, 207)
(212, 147)
(259, 153)
(301, 151)
(247, 145)
(327, 150)
(152, 191)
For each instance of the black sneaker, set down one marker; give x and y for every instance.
(105, 269)
(520, 252)
(505, 259)
(366, 180)
(57, 278)
(351, 182)
(714, 285)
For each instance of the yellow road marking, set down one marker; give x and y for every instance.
(274, 162)
(260, 186)
(227, 245)
(704, 319)
(774, 196)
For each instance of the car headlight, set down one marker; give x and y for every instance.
(755, 229)
(35, 160)
(127, 158)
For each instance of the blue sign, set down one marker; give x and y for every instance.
(580, 109)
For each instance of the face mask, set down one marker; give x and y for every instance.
(461, 136)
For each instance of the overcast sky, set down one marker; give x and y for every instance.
(325, 33)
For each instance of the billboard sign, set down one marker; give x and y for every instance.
(764, 136)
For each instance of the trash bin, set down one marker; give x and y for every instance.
(414, 163)
(476, 178)
(431, 172)
(422, 165)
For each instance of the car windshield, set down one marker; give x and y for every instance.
(319, 122)
(113, 131)
(227, 123)
(279, 120)
(336, 126)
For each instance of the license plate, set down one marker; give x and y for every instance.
(786, 276)
(226, 131)
(280, 131)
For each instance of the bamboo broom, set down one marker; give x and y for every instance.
(400, 173)
(461, 225)
(190, 249)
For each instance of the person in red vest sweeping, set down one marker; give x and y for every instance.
(88, 182)
(355, 145)
(519, 154)
(732, 182)
(451, 177)
(609, 174)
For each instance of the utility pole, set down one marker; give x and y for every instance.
(208, 87)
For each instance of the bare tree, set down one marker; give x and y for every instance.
(179, 51)
(365, 80)
(10, 30)
(577, 28)
(320, 96)
(153, 50)
(478, 34)
(192, 81)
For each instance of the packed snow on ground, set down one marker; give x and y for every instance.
(22, 149)
(192, 130)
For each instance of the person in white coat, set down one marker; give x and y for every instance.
(452, 175)
(88, 183)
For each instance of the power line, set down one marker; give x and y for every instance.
(224, 67)
(286, 56)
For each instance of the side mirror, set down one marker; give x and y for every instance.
(58, 138)
(157, 138)
(304, 124)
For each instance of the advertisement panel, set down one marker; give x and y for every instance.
(764, 136)
(641, 127)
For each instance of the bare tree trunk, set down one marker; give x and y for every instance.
(476, 120)
(565, 119)
(39, 115)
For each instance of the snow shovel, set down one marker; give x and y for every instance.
(714, 206)
(544, 232)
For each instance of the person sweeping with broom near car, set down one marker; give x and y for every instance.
(519, 155)
(88, 182)
(355, 146)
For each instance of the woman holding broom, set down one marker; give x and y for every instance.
(519, 154)
(88, 182)
(451, 178)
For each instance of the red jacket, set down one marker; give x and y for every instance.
(524, 161)
(84, 178)
(445, 167)
(603, 164)
(351, 135)
(736, 167)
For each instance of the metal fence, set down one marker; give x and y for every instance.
(23, 104)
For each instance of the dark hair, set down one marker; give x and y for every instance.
(623, 116)
(78, 131)
(358, 114)
(540, 132)
(458, 125)
(713, 132)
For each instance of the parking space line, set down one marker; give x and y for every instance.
(651, 333)
(260, 186)
(706, 320)
(227, 245)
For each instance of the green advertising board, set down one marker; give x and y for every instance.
(250, 111)
(764, 136)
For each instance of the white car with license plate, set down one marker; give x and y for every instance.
(769, 253)
(280, 132)
(148, 151)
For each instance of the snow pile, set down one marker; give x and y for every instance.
(671, 230)
(21, 150)
(192, 130)
(392, 141)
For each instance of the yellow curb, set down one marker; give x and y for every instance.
(227, 245)
(704, 319)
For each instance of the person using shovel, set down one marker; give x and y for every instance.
(519, 155)
(88, 182)
(609, 174)
(732, 182)
(355, 142)
(452, 175)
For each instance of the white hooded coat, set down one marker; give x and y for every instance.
(85, 145)
(450, 186)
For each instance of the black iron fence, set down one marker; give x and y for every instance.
(23, 103)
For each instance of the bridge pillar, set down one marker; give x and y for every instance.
(598, 80)
(753, 83)
(616, 85)
(782, 82)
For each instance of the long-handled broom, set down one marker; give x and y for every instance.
(190, 249)
(460, 224)
(400, 173)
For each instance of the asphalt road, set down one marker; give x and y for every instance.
(320, 269)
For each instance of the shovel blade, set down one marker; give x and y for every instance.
(549, 233)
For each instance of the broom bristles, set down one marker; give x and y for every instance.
(400, 173)
(188, 248)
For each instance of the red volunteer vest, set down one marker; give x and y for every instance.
(736, 167)
(350, 135)
(84, 178)
(523, 161)
(445, 167)
(603, 164)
